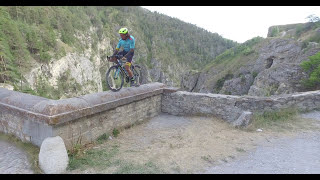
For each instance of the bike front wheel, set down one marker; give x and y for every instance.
(114, 78)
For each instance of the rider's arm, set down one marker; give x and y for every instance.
(117, 48)
(115, 51)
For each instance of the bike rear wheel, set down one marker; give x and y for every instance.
(114, 78)
(136, 69)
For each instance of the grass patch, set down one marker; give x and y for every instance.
(92, 158)
(115, 132)
(31, 150)
(104, 137)
(276, 120)
(102, 159)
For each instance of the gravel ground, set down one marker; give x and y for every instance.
(294, 155)
(13, 160)
(298, 155)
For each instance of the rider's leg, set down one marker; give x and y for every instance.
(128, 65)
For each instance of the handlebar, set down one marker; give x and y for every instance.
(116, 58)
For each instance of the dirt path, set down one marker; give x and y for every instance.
(208, 145)
(287, 155)
(294, 155)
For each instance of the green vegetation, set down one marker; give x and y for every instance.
(302, 31)
(244, 49)
(92, 158)
(81, 157)
(312, 68)
(273, 119)
(102, 138)
(274, 32)
(314, 38)
(103, 159)
(40, 34)
(231, 60)
(115, 132)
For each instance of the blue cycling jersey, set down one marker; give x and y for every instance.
(126, 44)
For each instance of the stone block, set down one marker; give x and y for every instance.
(243, 120)
(53, 156)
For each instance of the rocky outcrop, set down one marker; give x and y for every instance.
(237, 86)
(189, 81)
(275, 71)
(80, 71)
(278, 68)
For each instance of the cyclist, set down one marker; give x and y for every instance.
(128, 43)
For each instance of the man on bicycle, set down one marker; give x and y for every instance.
(127, 42)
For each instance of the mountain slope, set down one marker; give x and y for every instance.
(48, 50)
(260, 66)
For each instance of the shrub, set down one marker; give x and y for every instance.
(45, 57)
(274, 32)
(312, 68)
(315, 38)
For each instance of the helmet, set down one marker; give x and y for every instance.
(123, 31)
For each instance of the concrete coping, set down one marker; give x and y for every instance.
(55, 112)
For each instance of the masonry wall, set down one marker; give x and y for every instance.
(32, 118)
(231, 108)
(89, 128)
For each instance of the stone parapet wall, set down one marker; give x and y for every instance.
(231, 108)
(32, 118)
(89, 128)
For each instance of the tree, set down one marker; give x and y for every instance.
(313, 18)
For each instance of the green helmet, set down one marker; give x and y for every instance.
(123, 31)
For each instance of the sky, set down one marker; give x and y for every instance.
(238, 23)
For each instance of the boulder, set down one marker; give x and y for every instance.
(53, 156)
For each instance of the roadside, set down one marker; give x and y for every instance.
(298, 154)
(173, 144)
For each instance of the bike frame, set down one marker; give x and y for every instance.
(120, 67)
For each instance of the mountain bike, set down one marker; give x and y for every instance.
(117, 73)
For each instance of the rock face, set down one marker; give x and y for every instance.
(279, 68)
(237, 86)
(275, 70)
(189, 81)
(79, 70)
(53, 157)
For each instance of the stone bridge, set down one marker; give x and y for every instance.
(83, 119)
